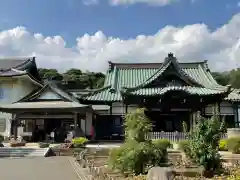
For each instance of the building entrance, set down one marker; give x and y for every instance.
(168, 121)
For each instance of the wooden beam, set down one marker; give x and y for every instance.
(44, 116)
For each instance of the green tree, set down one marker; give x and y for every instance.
(137, 153)
(234, 78)
(221, 78)
(49, 74)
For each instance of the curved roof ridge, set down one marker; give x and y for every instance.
(187, 89)
(20, 71)
(32, 59)
(95, 91)
(211, 81)
(167, 62)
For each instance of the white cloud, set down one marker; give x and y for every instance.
(92, 52)
(150, 2)
(90, 2)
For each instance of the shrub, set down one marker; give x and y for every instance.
(80, 141)
(183, 145)
(137, 125)
(233, 144)
(164, 143)
(137, 154)
(204, 143)
(223, 145)
(135, 158)
(235, 175)
(43, 145)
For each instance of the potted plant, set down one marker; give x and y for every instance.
(79, 142)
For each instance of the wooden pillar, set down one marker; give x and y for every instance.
(191, 120)
(111, 117)
(126, 109)
(236, 115)
(194, 119)
(203, 111)
(16, 122)
(219, 109)
(75, 118)
(110, 109)
(85, 128)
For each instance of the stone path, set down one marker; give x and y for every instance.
(39, 168)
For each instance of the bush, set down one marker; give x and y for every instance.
(223, 145)
(164, 143)
(233, 145)
(137, 125)
(235, 175)
(135, 158)
(183, 145)
(204, 143)
(43, 145)
(137, 154)
(79, 142)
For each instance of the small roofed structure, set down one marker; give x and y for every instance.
(54, 107)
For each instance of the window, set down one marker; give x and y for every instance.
(2, 124)
(1, 93)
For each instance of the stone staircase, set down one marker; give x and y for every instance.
(24, 152)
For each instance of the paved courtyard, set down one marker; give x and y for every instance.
(39, 168)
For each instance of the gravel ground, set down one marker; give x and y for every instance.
(39, 168)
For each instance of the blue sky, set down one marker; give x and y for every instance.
(72, 18)
(55, 31)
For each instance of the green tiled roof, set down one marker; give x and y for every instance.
(103, 94)
(187, 89)
(131, 77)
(234, 96)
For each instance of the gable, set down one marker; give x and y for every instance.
(134, 74)
(171, 76)
(49, 95)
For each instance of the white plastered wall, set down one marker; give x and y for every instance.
(88, 120)
(13, 90)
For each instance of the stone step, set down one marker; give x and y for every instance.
(24, 152)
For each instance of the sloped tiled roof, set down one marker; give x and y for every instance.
(10, 67)
(53, 87)
(126, 77)
(103, 94)
(188, 89)
(7, 63)
(234, 96)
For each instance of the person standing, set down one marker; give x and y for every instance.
(92, 133)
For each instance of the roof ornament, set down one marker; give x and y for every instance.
(111, 65)
(170, 55)
(206, 65)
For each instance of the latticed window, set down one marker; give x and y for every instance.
(2, 124)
